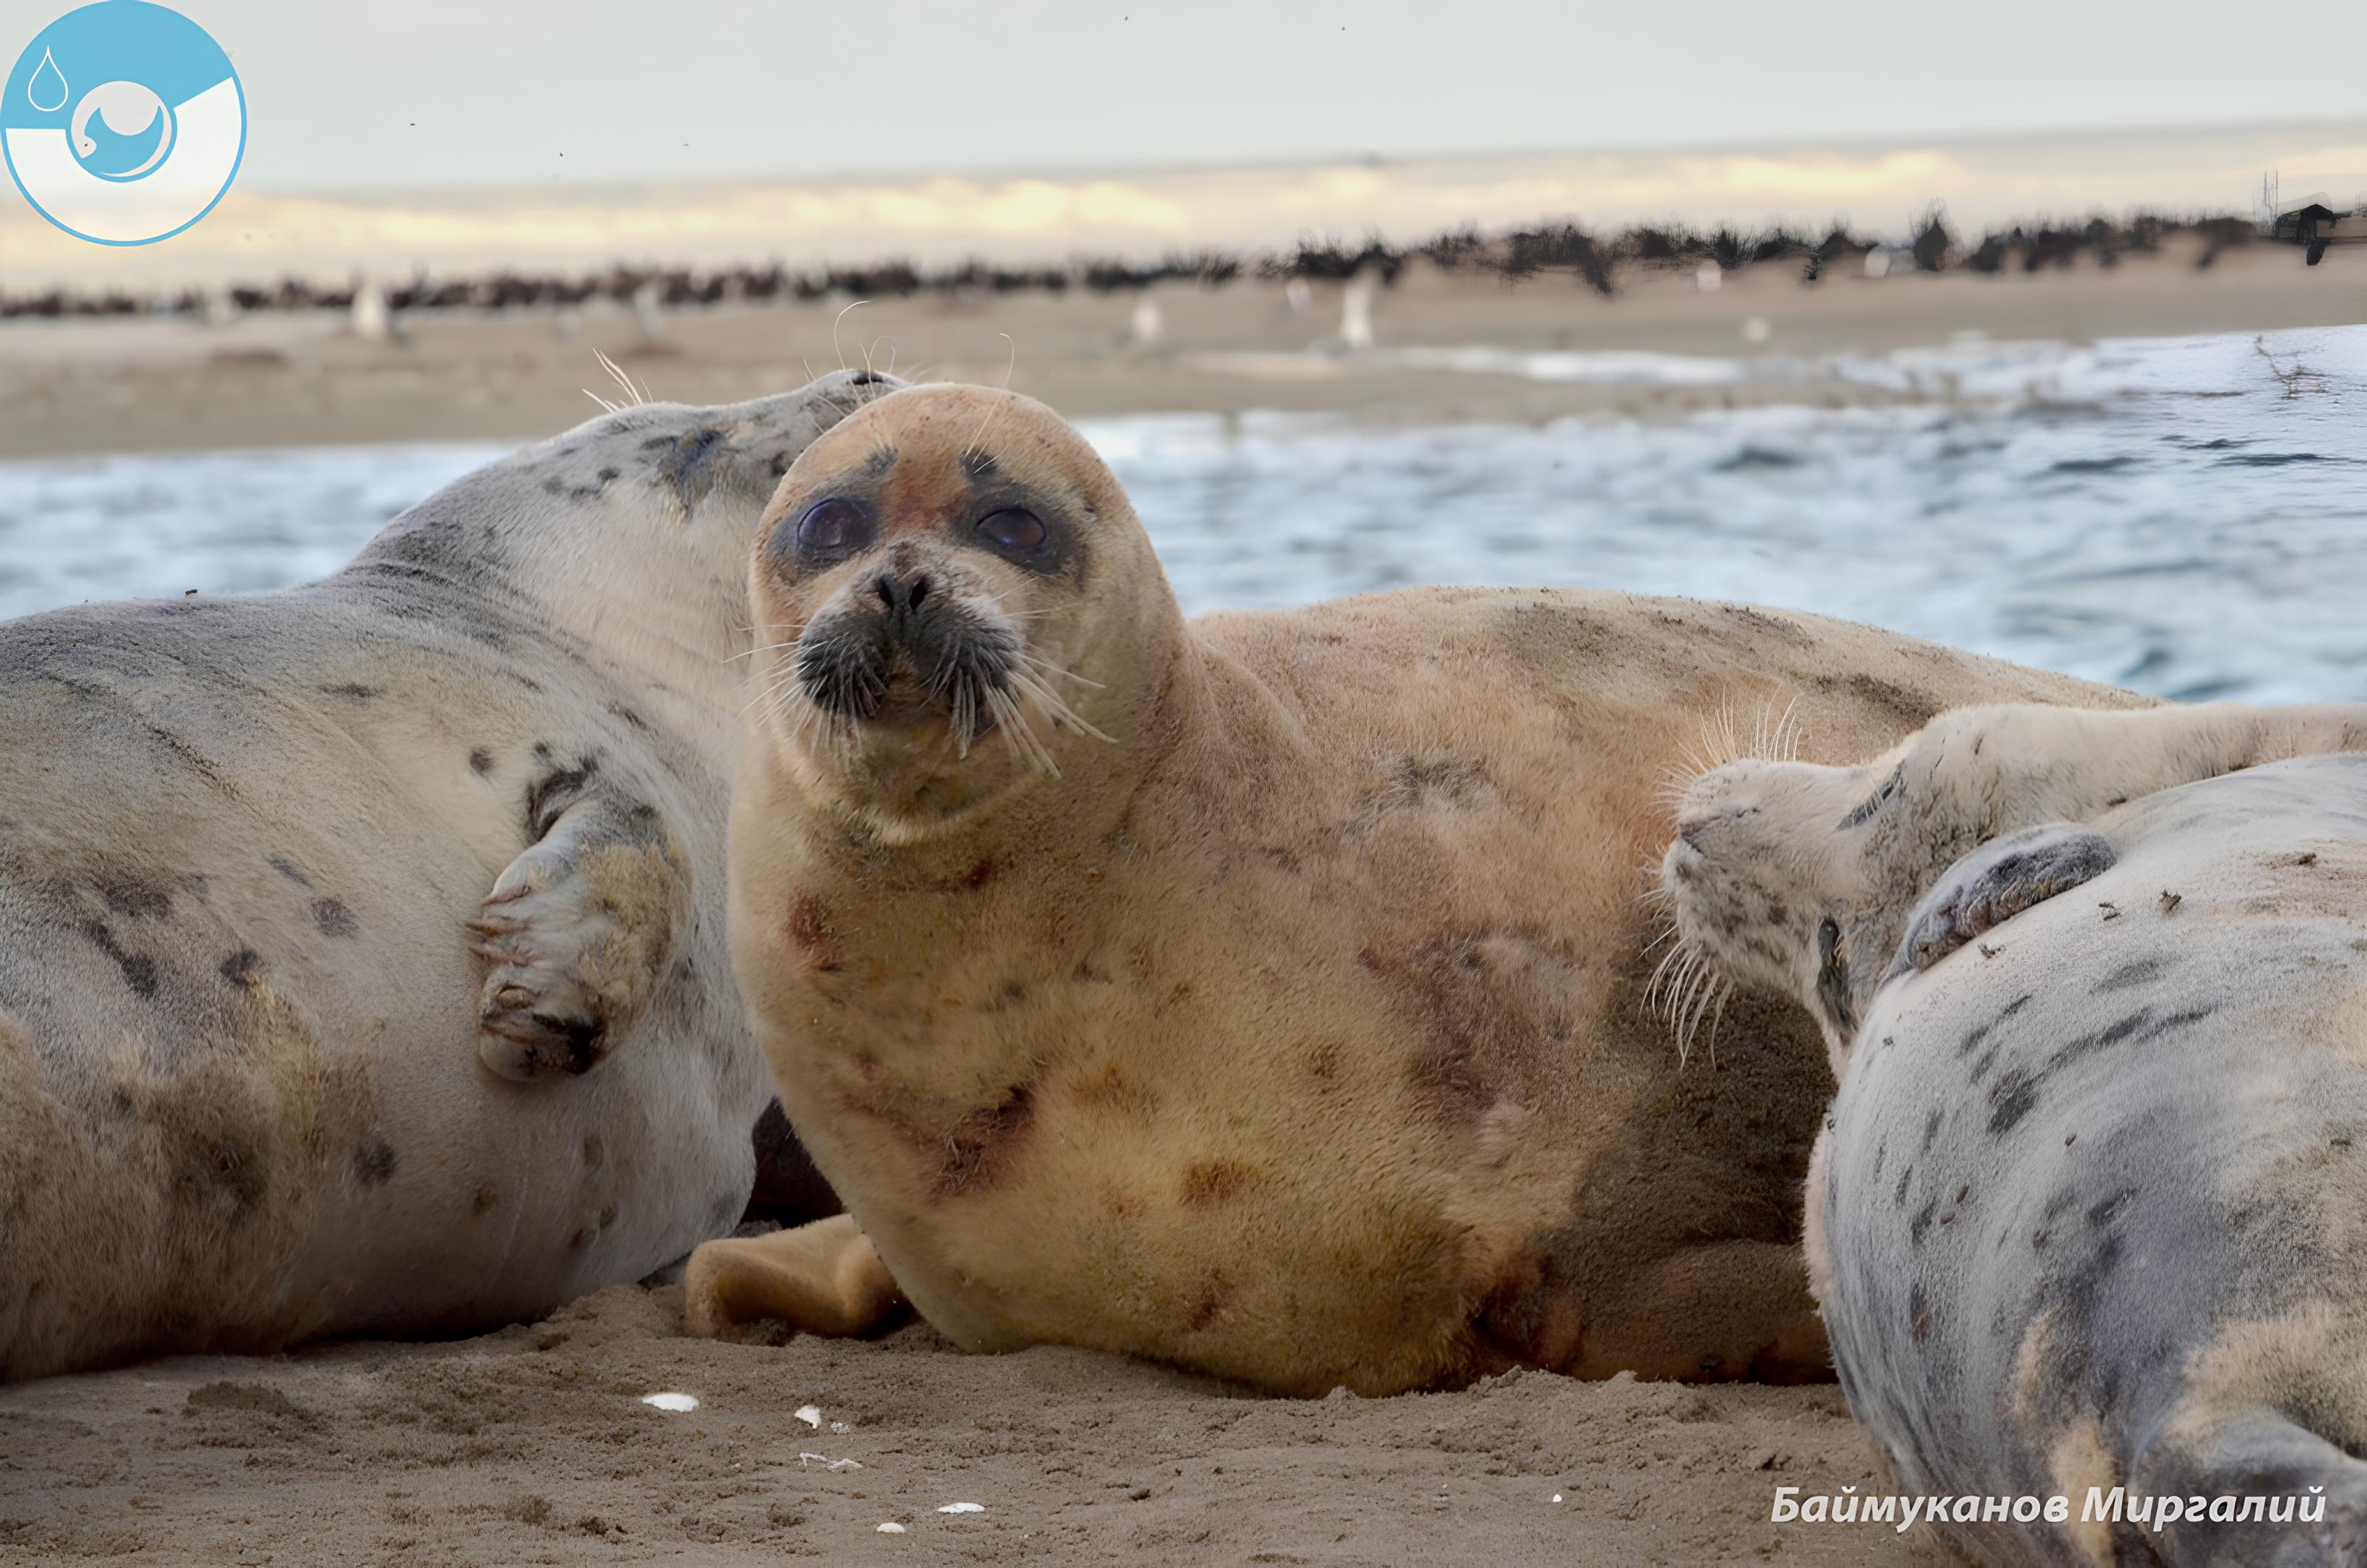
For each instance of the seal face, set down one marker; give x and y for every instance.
(1263, 994)
(938, 589)
(2082, 1216)
(292, 883)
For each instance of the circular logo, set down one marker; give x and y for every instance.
(123, 122)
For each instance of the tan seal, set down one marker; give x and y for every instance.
(2086, 1218)
(259, 1077)
(1263, 994)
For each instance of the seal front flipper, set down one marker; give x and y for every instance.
(824, 1279)
(1995, 882)
(2245, 1453)
(579, 928)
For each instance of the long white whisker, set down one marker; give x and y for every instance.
(852, 305)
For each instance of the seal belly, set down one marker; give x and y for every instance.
(1378, 1115)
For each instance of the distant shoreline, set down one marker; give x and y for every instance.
(1444, 345)
(1602, 261)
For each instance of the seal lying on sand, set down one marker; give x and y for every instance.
(2091, 1210)
(241, 1020)
(1263, 994)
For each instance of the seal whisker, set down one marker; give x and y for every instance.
(1725, 992)
(1051, 669)
(634, 394)
(1023, 734)
(1676, 1014)
(1679, 972)
(761, 648)
(1709, 987)
(1013, 724)
(834, 348)
(978, 437)
(1674, 958)
(1053, 704)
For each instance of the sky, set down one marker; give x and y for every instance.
(354, 95)
(463, 134)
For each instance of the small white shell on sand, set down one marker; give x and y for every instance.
(892, 1527)
(1556, 1496)
(810, 1414)
(672, 1401)
(827, 1462)
(965, 1508)
(840, 1427)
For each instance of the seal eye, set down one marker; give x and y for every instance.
(1012, 528)
(829, 525)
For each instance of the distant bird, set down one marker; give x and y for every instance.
(1356, 311)
(648, 300)
(372, 320)
(1147, 324)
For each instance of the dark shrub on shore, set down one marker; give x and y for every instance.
(1594, 261)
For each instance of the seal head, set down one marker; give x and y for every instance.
(1770, 880)
(952, 585)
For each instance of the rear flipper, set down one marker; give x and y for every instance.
(1995, 882)
(819, 1279)
(2254, 1454)
(579, 928)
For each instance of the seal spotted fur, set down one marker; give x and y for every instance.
(2088, 1209)
(241, 1020)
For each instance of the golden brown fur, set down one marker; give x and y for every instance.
(1296, 1031)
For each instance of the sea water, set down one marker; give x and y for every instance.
(2184, 516)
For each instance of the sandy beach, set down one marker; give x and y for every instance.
(271, 380)
(533, 1444)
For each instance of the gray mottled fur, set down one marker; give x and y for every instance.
(240, 839)
(2094, 1208)
(2090, 1207)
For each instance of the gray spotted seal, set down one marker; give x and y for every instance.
(1263, 993)
(2089, 1210)
(258, 1081)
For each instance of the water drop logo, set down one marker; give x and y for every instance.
(123, 122)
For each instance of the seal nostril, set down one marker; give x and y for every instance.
(886, 588)
(920, 591)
